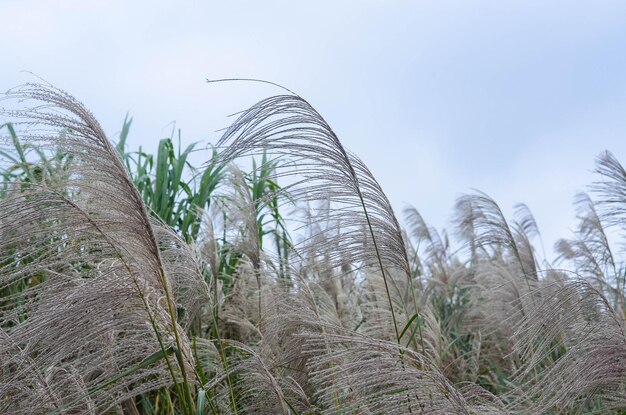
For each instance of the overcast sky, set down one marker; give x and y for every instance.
(515, 98)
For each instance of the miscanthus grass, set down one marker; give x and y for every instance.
(138, 283)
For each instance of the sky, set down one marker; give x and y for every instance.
(514, 98)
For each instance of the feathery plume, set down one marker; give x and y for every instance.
(320, 169)
(95, 316)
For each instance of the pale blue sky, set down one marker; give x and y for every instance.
(515, 98)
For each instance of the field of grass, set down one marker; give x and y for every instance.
(137, 283)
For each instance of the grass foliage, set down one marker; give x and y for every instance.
(137, 283)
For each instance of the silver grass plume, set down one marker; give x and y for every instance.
(260, 385)
(502, 256)
(252, 277)
(436, 247)
(611, 190)
(611, 209)
(307, 362)
(502, 276)
(374, 304)
(271, 377)
(482, 225)
(183, 269)
(240, 215)
(574, 348)
(454, 304)
(342, 364)
(342, 285)
(575, 334)
(590, 252)
(526, 230)
(318, 169)
(94, 299)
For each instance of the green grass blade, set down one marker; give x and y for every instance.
(121, 144)
(200, 401)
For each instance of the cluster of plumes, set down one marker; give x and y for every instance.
(360, 317)
(90, 285)
(352, 328)
(375, 319)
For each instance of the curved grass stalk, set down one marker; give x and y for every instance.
(287, 126)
